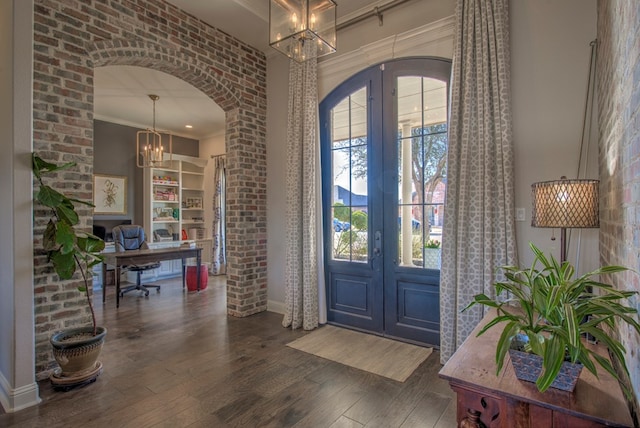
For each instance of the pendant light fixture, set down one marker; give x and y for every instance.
(150, 150)
(302, 29)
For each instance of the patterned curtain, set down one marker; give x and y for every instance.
(301, 270)
(479, 228)
(219, 254)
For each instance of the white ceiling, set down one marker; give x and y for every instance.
(121, 92)
(121, 95)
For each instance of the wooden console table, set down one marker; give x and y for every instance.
(132, 257)
(504, 401)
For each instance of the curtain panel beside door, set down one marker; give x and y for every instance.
(219, 254)
(479, 228)
(301, 240)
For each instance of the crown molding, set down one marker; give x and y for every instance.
(434, 39)
(124, 122)
(258, 8)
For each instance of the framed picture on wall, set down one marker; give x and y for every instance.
(109, 194)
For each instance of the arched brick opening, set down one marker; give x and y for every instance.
(68, 44)
(219, 89)
(150, 55)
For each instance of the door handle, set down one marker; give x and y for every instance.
(377, 244)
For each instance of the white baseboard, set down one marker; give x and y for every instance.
(275, 306)
(14, 399)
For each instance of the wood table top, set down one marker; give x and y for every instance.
(474, 365)
(151, 254)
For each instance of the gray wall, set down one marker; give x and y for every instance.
(550, 55)
(18, 388)
(114, 154)
(549, 59)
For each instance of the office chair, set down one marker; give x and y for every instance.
(131, 237)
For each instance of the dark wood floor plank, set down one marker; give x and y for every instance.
(374, 401)
(345, 422)
(449, 417)
(299, 404)
(328, 409)
(428, 413)
(175, 359)
(279, 409)
(411, 396)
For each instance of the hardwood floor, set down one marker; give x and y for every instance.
(175, 359)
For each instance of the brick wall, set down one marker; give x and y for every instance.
(71, 38)
(618, 88)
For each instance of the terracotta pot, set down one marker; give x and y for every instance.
(76, 350)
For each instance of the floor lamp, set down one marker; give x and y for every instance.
(565, 204)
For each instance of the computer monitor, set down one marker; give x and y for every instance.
(103, 228)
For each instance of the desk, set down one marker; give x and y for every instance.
(504, 401)
(132, 257)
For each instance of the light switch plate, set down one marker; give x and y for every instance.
(520, 214)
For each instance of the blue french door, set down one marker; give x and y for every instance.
(383, 138)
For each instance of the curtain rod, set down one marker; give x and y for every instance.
(376, 11)
(218, 156)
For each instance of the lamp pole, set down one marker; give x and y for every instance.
(563, 245)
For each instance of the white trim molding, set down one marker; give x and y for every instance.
(18, 387)
(275, 306)
(434, 39)
(14, 399)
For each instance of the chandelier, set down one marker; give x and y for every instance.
(150, 150)
(302, 29)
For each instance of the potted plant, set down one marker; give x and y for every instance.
(70, 249)
(432, 254)
(555, 311)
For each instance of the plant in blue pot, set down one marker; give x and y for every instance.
(432, 254)
(546, 312)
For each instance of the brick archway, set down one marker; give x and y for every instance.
(151, 55)
(68, 44)
(215, 86)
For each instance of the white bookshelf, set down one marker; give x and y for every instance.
(174, 200)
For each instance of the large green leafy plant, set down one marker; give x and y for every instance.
(554, 310)
(69, 248)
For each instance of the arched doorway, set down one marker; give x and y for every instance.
(383, 142)
(225, 95)
(122, 107)
(68, 45)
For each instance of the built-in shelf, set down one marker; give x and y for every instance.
(175, 191)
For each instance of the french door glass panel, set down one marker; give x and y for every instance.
(421, 148)
(350, 178)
